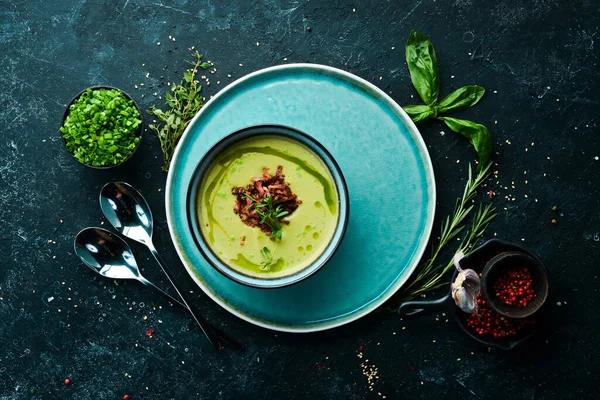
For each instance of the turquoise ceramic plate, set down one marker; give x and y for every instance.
(387, 170)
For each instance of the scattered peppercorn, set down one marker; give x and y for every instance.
(150, 332)
(554, 208)
(515, 287)
(126, 397)
(554, 221)
(67, 381)
(488, 322)
(308, 29)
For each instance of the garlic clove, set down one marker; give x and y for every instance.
(464, 301)
(465, 289)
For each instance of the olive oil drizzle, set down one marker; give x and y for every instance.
(208, 201)
(243, 262)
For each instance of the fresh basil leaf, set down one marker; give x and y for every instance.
(462, 98)
(418, 113)
(422, 117)
(423, 67)
(478, 135)
(415, 110)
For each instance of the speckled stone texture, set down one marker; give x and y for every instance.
(538, 61)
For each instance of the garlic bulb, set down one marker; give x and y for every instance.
(466, 287)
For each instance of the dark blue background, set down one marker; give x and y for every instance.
(540, 56)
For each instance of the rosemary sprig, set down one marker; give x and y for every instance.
(270, 212)
(183, 103)
(429, 275)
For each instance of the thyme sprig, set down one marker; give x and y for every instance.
(183, 103)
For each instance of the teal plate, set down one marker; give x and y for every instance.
(389, 177)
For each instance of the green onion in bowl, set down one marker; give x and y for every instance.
(102, 127)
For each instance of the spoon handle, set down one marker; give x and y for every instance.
(205, 326)
(146, 282)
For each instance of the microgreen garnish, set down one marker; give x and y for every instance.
(102, 127)
(268, 258)
(270, 213)
(265, 201)
(425, 75)
(184, 102)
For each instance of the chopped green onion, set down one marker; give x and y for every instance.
(101, 128)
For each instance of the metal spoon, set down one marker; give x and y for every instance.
(111, 257)
(126, 209)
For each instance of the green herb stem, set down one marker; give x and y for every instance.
(183, 103)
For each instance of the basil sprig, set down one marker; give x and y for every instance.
(425, 76)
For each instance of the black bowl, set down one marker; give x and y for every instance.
(128, 97)
(338, 180)
(505, 260)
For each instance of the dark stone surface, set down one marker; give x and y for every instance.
(61, 321)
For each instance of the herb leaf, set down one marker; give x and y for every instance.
(268, 256)
(478, 135)
(423, 67)
(418, 113)
(462, 98)
(266, 252)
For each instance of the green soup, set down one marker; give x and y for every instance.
(311, 226)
